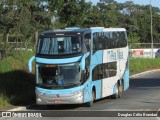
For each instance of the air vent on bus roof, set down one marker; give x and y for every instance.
(96, 27)
(72, 28)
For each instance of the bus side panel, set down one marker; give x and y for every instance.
(124, 68)
(108, 84)
(126, 77)
(123, 58)
(98, 87)
(87, 91)
(96, 60)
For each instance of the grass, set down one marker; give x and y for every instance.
(17, 85)
(17, 61)
(143, 64)
(4, 101)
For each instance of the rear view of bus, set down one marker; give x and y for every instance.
(71, 68)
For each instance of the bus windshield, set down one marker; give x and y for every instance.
(59, 45)
(59, 75)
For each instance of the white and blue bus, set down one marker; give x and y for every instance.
(75, 66)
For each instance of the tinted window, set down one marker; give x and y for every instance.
(59, 45)
(105, 70)
(87, 40)
(109, 40)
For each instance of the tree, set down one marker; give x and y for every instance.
(8, 18)
(73, 13)
(20, 20)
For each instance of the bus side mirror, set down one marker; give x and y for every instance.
(83, 60)
(30, 63)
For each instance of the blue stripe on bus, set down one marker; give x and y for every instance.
(30, 63)
(98, 86)
(83, 61)
(115, 89)
(97, 59)
(126, 79)
(58, 61)
(87, 91)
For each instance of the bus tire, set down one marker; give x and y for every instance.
(121, 88)
(89, 104)
(119, 92)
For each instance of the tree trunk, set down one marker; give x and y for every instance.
(36, 37)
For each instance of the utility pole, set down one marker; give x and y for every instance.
(151, 28)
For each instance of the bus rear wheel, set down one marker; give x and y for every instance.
(89, 104)
(119, 92)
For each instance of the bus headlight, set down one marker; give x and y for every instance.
(80, 99)
(39, 100)
(79, 96)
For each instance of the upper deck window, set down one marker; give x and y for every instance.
(59, 45)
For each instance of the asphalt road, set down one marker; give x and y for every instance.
(143, 95)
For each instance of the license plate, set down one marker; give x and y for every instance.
(58, 101)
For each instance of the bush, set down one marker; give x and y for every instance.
(16, 84)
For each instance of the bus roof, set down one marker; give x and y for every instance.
(64, 31)
(78, 30)
(114, 29)
(109, 29)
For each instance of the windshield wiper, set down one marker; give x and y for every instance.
(72, 84)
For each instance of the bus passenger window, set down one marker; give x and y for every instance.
(75, 44)
(87, 40)
(61, 47)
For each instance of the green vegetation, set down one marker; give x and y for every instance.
(16, 84)
(142, 64)
(4, 101)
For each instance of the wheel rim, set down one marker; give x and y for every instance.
(120, 90)
(93, 96)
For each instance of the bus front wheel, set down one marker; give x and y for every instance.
(89, 104)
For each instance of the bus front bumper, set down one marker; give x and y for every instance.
(51, 99)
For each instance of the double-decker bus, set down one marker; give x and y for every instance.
(75, 66)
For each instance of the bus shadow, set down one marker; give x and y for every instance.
(66, 106)
(144, 83)
(17, 87)
(54, 107)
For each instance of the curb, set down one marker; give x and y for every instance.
(17, 109)
(143, 73)
(132, 76)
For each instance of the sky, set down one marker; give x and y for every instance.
(155, 3)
